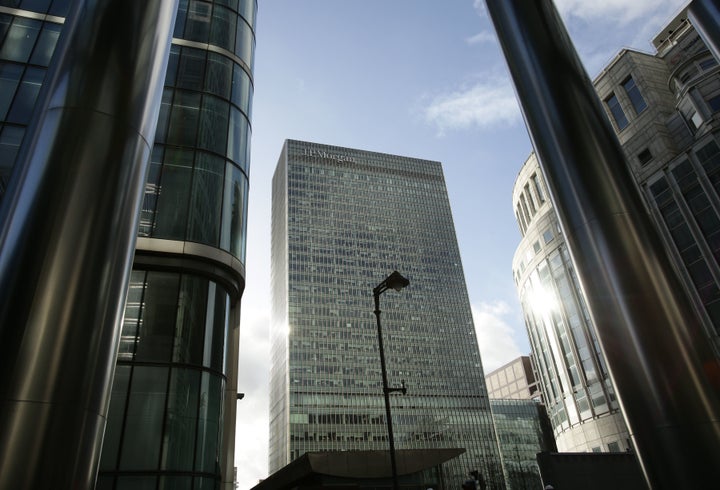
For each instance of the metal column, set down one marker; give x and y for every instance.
(704, 15)
(67, 233)
(659, 358)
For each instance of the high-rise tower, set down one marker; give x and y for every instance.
(342, 219)
(171, 422)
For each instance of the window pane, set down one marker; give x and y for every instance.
(247, 10)
(191, 321)
(133, 314)
(184, 118)
(223, 28)
(173, 194)
(22, 108)
(242, 90)
(10, 75)
(208, 437)
(220, 328)
(219, 76)
(152, 186)
(136, 483)
(175, 482)
(213, 124)
(180, 19)
(245, 44)
(232, 236)
(635, 96)
(116, 412)
(36, 5)
(238, 138)
(616, 112)
(157, 327)
(10, 140)
(46, 44)
(197, 27)
(60, 8)
(191, 69)
(20, 40)
(173, 60)
(206, 200)
(143, 428)
(181, 419)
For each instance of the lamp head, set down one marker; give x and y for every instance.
(396, 281)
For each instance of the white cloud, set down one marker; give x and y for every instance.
(482, 38)
(486, 104)
(495, 335)
(479, 6)
(620, 11)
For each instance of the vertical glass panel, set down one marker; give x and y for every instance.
(143, 427)
(213, 124)
(180, 19)
(205, 484)
(164, 116)
(36, 5)
(152, 185)
(20, 40)
(232, 236)
(220, 328)
(634, 95)
(197, 27)
(116, 414)
(59, 8)
(206, 199)
(22, 108)
(46, 44)
(191, 320)
(238, 134)
(191, 69)
(219, 76)
(133, 314)
(210, 416)
(222, 33)
(10, 75)
(5, 21)
(181, 420)
(248, 10)
(242, 90)
(136, 483)
(173, 61)
(10, 140)
(157, 327)
(245, 44)
(184, 118)
(616, 111)
(174, 193)
(176, 482)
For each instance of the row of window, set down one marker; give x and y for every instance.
(636, 99)
(529, 202)
(27, 40)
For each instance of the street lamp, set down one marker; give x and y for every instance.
(394, 281)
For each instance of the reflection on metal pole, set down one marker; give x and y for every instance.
(67, 233)
(704, 15)
(658, 356)
(397, 282)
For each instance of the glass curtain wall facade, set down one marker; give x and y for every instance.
(342, 220)
(571, 369)
(523, 430)
(172, 416)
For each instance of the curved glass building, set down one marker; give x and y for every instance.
(171, 421)
(571, 370)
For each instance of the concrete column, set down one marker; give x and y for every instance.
(660, 361)
(67, 233)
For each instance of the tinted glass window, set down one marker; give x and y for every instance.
(206, 199)
(173, 194)
(181, 420)
(20, 39)
(22, 108)
(157, 328)
(45, 46)
(617, 112)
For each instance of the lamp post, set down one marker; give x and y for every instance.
(394, 281)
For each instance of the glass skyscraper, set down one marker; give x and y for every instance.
(342, 220)
(171, 421)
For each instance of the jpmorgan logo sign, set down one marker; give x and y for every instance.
(328, 156)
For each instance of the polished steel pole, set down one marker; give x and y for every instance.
(704, 15)
(386, 392)
(68, 226)
(659, 358)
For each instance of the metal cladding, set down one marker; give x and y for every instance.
(660, 362)
(705, 17)
(69, 222)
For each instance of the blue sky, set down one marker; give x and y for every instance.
(420, 78)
